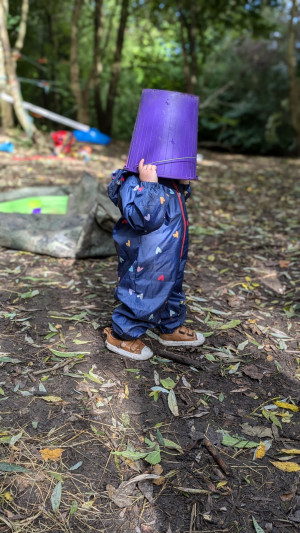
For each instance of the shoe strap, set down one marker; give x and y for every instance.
(133, 346)
(186, 331)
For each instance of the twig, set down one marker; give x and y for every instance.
(26, 522)
(55, 367)
(215, 94)
(193, 516)
(9, 524)
(212, 450)
(179, 359)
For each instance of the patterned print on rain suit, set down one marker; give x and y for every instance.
(151, 239)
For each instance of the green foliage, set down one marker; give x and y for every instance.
(252, 114)
(241, 64)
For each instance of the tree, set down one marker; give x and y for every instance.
(105, 112)
(10, 60)
(294, 90)
(81, 90)
(5, 107)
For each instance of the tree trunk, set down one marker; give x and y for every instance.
(99, 52)
(6, 113)
(186, 66)
(106, 118)
(98, 66)
(22, 28)
(10, 66)
(190, 61)
(6, 110)
(81, 102)
(192, 34)
(294, 95)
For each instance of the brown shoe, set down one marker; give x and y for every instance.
(182, 336)
(134, 349)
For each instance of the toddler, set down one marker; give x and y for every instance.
(151, 238)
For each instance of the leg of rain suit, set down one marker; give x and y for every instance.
(174, 312)
(168, 318)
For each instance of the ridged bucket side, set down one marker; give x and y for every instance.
(165, 134)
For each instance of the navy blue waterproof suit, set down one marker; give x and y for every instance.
(151, 239)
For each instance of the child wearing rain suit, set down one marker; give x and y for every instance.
(151, 238)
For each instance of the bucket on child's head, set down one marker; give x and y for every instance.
(165, 134)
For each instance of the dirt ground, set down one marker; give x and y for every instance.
(208, 450)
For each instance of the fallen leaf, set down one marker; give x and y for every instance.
(68, 354)
(238, 442)
(74, 467)
(231, 324)
(256, 431)
(146, 488)
(56, 497)
(260, 452)
(283, 263)
(286, 466)
(293, 451)
(286, 405)
(269, 278)
(157, 469)
(257, 527)
(173, 445)
(235, 301)
(29, 294)
(153, 457)
(9, 467)
(221, 484)
(287, 497)
(191, 490)
(74, 507)
(242, 345)
(122, 495)
(168, 383)
(253, 372)
(142, 477)
(51, 398)
(51, 455)
(145, 528)
(88, 504)
(172, 403)
(134, 456)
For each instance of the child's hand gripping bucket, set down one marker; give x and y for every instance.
(165, 134)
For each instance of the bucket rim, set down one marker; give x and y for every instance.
(172, 92)
(160, 176)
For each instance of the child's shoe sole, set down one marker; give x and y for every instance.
(145, 354)
(165, 342)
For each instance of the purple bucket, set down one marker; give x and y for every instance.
(165, 134)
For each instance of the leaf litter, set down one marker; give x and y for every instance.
(161, 418)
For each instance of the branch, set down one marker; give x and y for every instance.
(214, 95)
(22, 27)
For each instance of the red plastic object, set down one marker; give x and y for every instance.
(63, 140)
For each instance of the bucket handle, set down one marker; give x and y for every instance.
(170, 160)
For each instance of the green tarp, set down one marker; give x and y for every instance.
(82, 227)
(47, 205)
